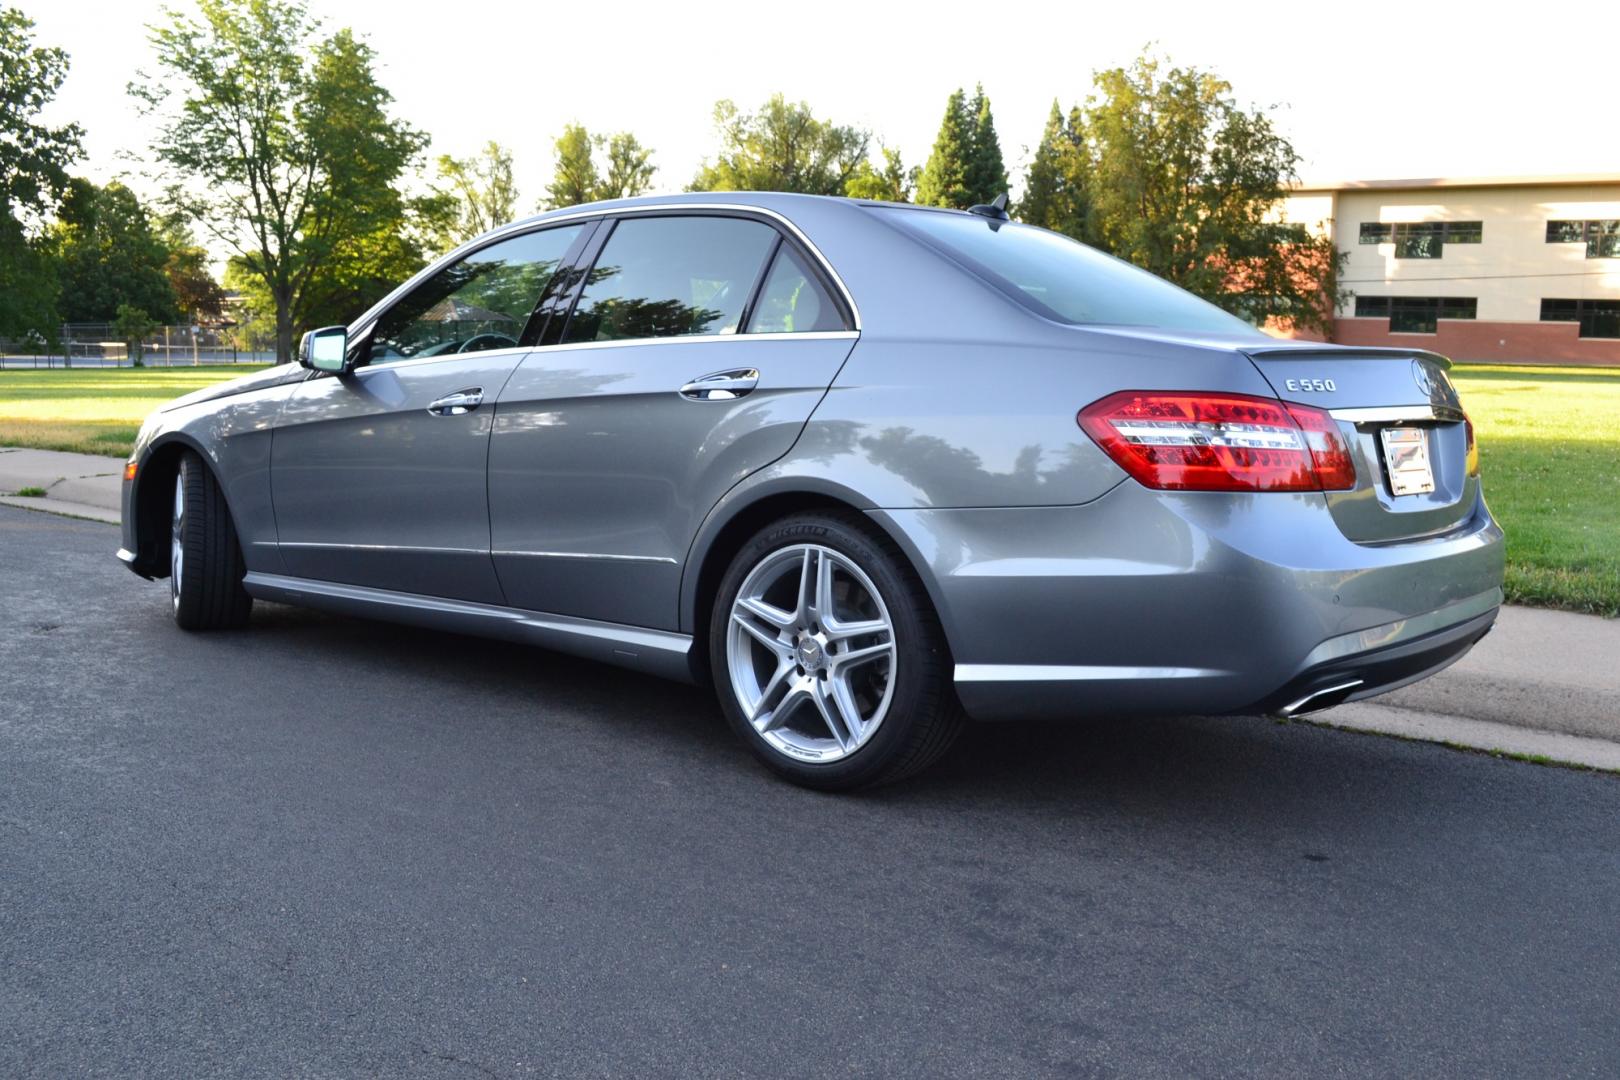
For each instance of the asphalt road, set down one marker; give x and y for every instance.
(324, 847)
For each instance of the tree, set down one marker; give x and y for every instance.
(109, 255)
(1057, 188)
(1184, 183)
(629, 168)
(574, 180)
(985, 175)
(782, 147)
(944, 176)
(133, 326)
(894, 184)
(284, 151)
(196, 293)
(480, 190)
(577, 178)
(34, 159)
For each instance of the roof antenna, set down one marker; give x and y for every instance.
(996, 208)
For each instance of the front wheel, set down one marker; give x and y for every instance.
(828, 658)
(205, 559)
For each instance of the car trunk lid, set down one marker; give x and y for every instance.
(1396, 408)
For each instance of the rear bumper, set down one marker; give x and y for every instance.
(1410, 657)
(1150, 602)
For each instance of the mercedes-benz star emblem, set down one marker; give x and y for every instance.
(1420, 375)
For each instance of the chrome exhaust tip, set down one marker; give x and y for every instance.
(1317, 700)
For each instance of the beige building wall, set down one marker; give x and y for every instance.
(1509, 272)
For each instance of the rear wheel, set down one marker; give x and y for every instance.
(828, 658)
(205, 559)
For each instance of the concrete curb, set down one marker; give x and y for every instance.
(77, 485)
(1486, 735)
(62, 507)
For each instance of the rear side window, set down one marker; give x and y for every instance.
(793, 300)
(1061, 278)
(671, 277)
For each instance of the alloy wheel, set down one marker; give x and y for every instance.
(177, 541)
(811, 651)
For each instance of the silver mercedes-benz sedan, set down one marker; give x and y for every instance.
(869, 469)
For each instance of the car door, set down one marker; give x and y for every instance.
(697, 348)
(378, 476)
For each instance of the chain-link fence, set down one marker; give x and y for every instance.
(95, 345)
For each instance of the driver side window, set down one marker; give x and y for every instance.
(479, 303)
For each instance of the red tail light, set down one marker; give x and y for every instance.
(1220, 442)
(1473, 447)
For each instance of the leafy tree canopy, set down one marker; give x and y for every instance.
(480, 193)
(893, 183)
(34, 162)
(282, 148)
(578, 178)
(109, 255)
(1164, 169)
(782, 147)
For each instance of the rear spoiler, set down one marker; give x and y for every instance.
(1340, 352)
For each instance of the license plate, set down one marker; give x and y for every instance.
(1406, 452)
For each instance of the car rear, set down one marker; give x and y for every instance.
(1291, 525)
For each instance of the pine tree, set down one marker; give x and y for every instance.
(945, 176)
(1073, 211)
(986, 175)
(1042, 185)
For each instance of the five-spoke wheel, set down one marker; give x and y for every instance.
(811, 653)
(828, 657)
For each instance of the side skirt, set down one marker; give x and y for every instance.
(656, 652)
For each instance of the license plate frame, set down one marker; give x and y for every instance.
(1407, 460)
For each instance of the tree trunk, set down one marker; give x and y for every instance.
(284, 326)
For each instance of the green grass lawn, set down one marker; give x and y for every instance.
(92, 411)
(1549, 451)
(1549, 443)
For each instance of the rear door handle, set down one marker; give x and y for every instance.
(722, 385)
(458, 403)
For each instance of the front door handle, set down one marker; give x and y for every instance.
(722, 385)
(458, 403)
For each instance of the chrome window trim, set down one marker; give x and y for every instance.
(424, 361)
(693, 339)
(1396, 414)
(364, 324)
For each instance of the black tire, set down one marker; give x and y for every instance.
(207, 591)
(924, 716)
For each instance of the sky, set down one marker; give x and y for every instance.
(1365, 90)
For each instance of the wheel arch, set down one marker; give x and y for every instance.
(742, 514)
(150, 497)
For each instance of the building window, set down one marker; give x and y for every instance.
(1465, 232)
(1602, 238)
(1598, 318)
(1422, 239)
(1416, 314)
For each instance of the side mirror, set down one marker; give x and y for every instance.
(327, 349)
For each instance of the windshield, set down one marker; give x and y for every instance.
(1060, 278)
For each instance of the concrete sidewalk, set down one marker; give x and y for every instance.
(83, 485)
(1543, 683)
